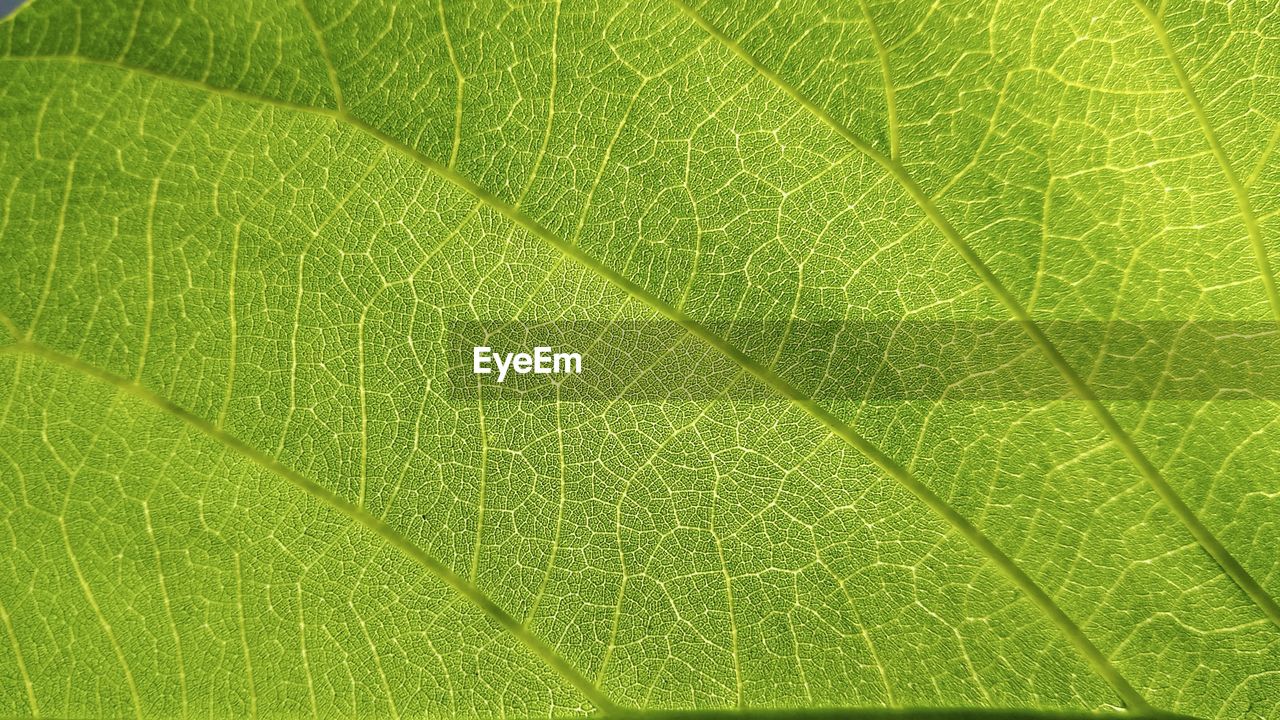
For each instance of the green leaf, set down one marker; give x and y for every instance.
(237, 478)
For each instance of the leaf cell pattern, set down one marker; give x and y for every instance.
(234, 237)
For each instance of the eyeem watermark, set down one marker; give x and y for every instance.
(543, 361)
(869, 361)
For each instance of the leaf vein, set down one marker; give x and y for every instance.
(1226, 561)
(22, 665)
(329, 67)
(1238, 189)
(1096, 659)
(330, 499)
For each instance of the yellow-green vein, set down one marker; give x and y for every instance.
(1075, 636)
(327, 497)
(1203, 536)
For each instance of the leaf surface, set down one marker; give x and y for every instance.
(235, 240)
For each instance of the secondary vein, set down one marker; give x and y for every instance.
(1202, 535)
(890, 101)
(1238, 188)
(1075, 636)
(834, 424)
(327, 497)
